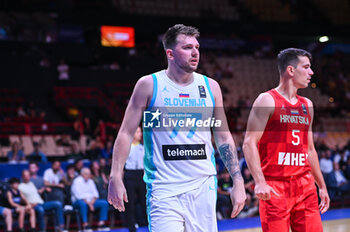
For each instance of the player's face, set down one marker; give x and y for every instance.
(186, 53)
(303, 72)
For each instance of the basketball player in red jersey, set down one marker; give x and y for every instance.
(280, 152)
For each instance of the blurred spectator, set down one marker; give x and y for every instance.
(78, 129)
(104, 166)
(107, 151)
(32, 114)
(37, 154)
(337, 156)
(37, 180)
(54, 178)
(85, 197)
(78, 165)
(343, 157)
(21, 112)
(100, 131)
(6, 213)
(96, 146)
(241, 159)
(224, 189)
(70, 176)
(99, 178)
(15, 155)
(42, 115)
(64, 140)
(336, 182)
(326, 164)
(75, 154)
(32, 109)
(31, 193)
(63, 71)
(252, 202)
(15, 199)
(87, 127)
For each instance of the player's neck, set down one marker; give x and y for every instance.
(135, 142)
(288, 91)
(180, 77)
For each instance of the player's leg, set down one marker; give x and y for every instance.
(275, 213)
(200, 207)
(305, 215)
(165, 215)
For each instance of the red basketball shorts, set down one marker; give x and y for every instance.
(295, 208)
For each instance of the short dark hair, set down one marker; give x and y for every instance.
(14, 180)
(290, 56)
(70, 166)
(55, 160)
(33, 162)
(169, 38)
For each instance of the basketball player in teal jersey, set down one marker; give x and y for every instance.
(179, 165)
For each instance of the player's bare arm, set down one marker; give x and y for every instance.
(228, 151)
(139, 100)
(260, 113)
(315, 166)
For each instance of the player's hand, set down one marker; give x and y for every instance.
(238, 197)
(263, 191)
(324, 204)
(117, 193)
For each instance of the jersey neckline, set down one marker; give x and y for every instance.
(177, 86)
(285, 100)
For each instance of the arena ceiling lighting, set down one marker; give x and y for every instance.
(323, 39)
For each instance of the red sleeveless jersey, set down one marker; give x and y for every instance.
(283, 146)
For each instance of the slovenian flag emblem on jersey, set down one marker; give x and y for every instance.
(185, 95)
(295, 112)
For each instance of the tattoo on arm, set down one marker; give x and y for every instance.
(230, 159)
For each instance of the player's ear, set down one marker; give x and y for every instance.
(169, 54)
(290, 70)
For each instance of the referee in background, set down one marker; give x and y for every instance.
(135, 187)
